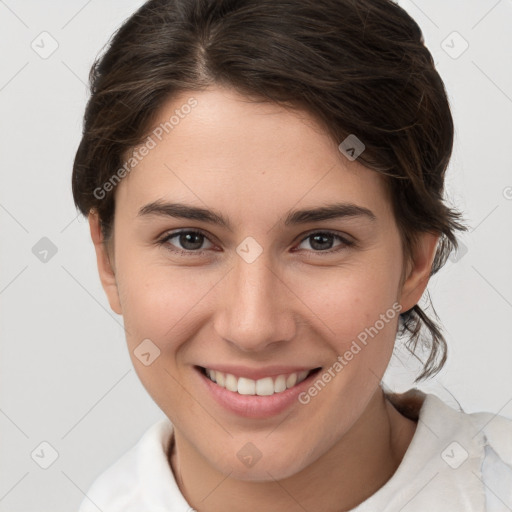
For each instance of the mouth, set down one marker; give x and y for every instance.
(266, 386)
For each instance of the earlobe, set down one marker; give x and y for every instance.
(419, 269)
(105, 267)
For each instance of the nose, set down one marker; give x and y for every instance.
(256, 307)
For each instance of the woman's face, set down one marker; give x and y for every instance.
(289, 261)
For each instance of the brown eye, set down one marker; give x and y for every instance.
(325, 241)
(185, 241)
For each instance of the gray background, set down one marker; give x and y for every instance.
(66, 378)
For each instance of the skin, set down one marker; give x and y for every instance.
(294, 305)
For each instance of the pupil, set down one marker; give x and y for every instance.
(317, 241)
(187, 240)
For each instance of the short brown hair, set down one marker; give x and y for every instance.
(360, 67)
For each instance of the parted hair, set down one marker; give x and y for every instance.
(358, 66)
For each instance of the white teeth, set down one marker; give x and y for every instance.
(246, 386)
(231, 383)
(280, 384)
(221, 379)
(262, 387)
(291, 380)
(302, 375)
(265, 387)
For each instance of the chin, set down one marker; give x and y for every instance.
(265, 469)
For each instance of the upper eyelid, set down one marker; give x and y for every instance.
(345, 239)
(171, 234)
(303, 237)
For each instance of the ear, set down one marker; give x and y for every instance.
(103, 260)
(418, 270)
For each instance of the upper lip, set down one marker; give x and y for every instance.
(258, 373)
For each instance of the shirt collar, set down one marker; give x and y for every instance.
(442, 464)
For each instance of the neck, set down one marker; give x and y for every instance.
(356, 466)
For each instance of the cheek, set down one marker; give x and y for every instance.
(349, 299)
(160, 302)
(166, 303)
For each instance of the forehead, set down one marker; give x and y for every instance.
(217, 146)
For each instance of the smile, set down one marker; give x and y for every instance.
(266, 386)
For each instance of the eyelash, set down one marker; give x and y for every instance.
(164, 241)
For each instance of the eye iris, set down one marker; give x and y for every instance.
(318, 239)
(191, 241)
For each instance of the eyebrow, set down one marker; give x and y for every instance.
(294, 217)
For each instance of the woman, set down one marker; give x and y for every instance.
(264, 188)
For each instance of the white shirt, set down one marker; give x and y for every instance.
(455, 462)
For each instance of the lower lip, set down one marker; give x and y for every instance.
(254, 406)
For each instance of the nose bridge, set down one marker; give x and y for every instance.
(254, 314)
